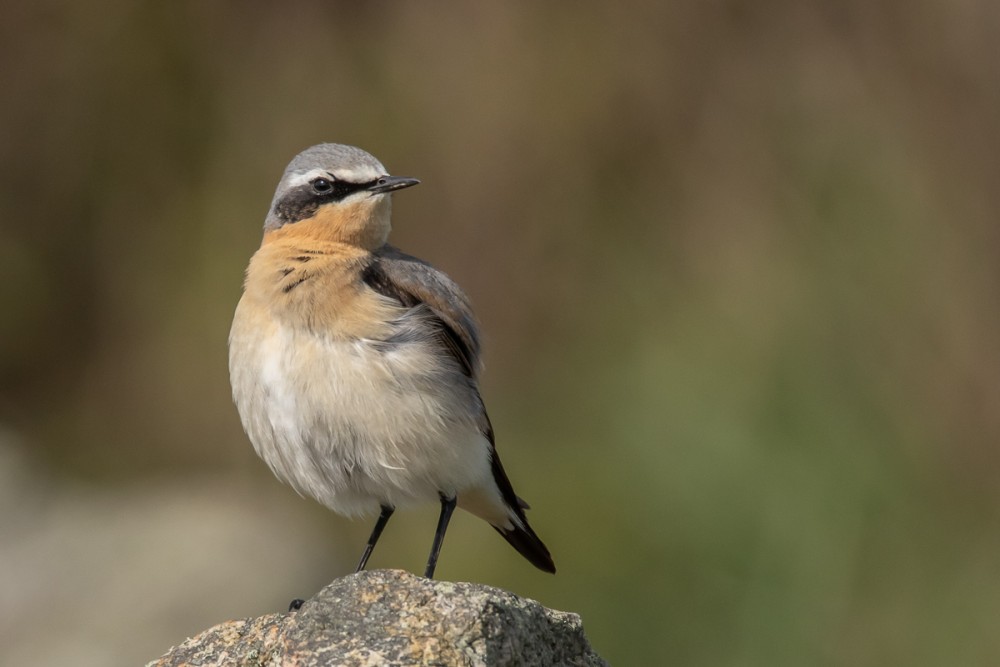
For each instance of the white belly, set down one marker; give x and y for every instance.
(356, 423)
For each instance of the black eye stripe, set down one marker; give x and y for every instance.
(303, 201)
(342, 189)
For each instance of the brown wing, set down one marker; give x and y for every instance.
(413, 282)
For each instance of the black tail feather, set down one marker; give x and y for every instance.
(529, 546)
(522, 538)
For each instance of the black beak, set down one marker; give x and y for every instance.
(390, 183)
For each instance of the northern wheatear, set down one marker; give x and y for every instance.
(354, 366)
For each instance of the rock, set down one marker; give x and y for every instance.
(390, 617)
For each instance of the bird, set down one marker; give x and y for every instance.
(355, 366)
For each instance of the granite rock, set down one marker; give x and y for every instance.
(390, 617)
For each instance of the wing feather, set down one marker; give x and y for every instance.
(414, 282)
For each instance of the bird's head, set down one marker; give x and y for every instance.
(336, 193)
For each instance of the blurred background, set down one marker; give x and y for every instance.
(736, 264)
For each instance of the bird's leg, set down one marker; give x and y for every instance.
(383, 519)
(447, 507)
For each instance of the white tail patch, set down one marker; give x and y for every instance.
(487, 504)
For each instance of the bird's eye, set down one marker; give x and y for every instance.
(321, 186)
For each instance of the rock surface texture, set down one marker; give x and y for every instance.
(389, 617)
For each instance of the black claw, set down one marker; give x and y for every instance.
(296, 604)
